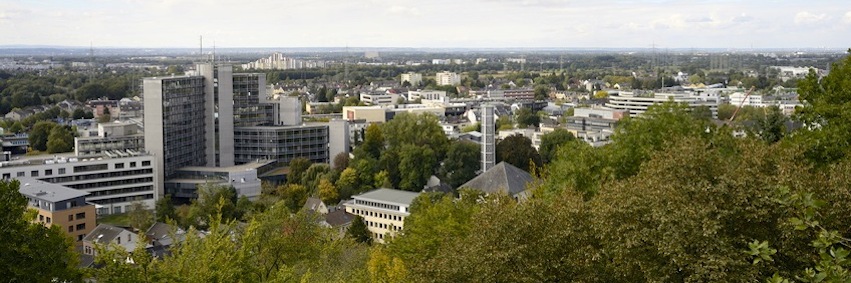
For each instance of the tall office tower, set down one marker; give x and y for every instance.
(175, 123)
(488, 143)
(218, 113)
(249, 93)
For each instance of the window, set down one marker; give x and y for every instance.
(7, 176)
(70, 229)
(119, 165)
(81, 226)
(146, 163)
(48, 172)
(80, 237)
(133, 164)
(41, 218)
(48, 220)
(70, 218)
(81, 215)
(34, 174)
(119, 240)
(21, 174)
(61, 171)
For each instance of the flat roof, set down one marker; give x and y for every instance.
(47, 191)
(236, 168)
(389, 196)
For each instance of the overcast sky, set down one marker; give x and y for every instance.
(435, 23)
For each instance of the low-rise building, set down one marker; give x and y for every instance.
(637, 104)
(502, 178)
(383, 211)
(58, 205)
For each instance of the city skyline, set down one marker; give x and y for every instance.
(435, 24)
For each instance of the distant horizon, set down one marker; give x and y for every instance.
(441, 24)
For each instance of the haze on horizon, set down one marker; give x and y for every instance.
(429, 24)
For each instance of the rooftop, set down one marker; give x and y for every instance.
(388, 196)
(254, 165)
(48, 191)
(503, 177)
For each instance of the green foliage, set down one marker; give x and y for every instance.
(416, 165)
(525, 118)
(164, 209)
(551, 141)
(297, 166)
(517, 150)
(359, 232)
(827, 112)
(38, 136)
(60, 140)
(461, 163)
(32, 252)
(140, 217)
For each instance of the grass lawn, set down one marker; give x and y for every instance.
(115, 219)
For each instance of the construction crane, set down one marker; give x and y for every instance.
(740, 105)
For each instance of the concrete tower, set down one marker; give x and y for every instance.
(488, 142)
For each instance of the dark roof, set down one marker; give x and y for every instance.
(104, 233)
(503, 177)
(339, 218)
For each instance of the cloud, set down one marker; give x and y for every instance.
(847, 18)
(403, 11)
(805, 17)
(743, 18)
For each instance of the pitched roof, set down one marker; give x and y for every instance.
(313, 204)
(104, 233)
(339, 218)
(503, 177)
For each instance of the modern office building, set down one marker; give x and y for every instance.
(426, 94)
(112, 138)
(183, 186)
(282, 143)
(112, 183)
(58, 205)
(637, 104)
(383, 211)
(215, 118)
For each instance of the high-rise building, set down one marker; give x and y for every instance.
(447, 78)
(488, 142)
(215, 118)
(412, 78)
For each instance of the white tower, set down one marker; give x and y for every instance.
(488, 144)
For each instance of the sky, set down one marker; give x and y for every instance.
(429, 24)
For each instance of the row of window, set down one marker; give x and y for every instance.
(377, 204)
(97, 176)
(379, 215)
(383, 226)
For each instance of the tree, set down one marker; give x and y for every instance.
(164, 209)
(293, 195)
(140, 217)
(772, 127)
(517, 150)
(359, 232)
(297, 166)
(461, 163)
(79, 113)
(601, 94)
(542, 92)
(525, 118)
(373, 143)
(826, 112)
(416, 129)
(32, 252)
(39, 135)
(328, 192)
(16, 127)
(341, 161)
(348, 183)
(551, 141)
(60, 140)
(416, 166)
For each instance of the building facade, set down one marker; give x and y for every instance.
(59, 206)
(412, 78)
(447, 78)
(383, 211)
